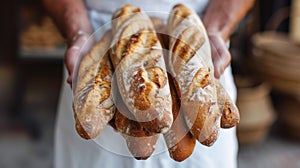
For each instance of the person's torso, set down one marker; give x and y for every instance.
(109, 6)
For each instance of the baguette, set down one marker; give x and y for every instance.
(140, 69)
(179, 140)
(191, 66)
(230, 113)
(140, 143)
(92, 104)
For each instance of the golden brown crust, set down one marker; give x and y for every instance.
(140, 69)
(80, 130)
(121, 15)
(92, 103)
(129, 127)
(125, 122)
(140, 142)
(179, 140)
(141, 147)
(186, 46)
(191, 66)
(230, 112)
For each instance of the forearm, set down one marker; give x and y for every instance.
(70, 16)
(222, 16)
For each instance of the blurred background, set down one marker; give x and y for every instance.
(265, 51)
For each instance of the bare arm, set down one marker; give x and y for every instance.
(220, 19)
(72, 20)
(69, 15)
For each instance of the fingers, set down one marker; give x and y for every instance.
(71, 56)
(77, 48)
(220, 54)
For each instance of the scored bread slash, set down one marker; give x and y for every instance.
(92, 103)
(136, 54)
(190, 64)
(179, 140)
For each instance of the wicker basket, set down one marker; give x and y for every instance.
(256, 110)
(277, 60)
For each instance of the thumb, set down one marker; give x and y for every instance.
(71, 58)
(79, 47)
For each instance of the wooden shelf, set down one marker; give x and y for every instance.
(42, 52)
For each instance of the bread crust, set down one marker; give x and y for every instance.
(179, 140)
(92, 104)
(141, 147)
(140, 142)
(191, 66)
(230, 113)
(141, 75)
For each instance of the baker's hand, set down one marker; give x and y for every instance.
(220, 54)
(78, 46)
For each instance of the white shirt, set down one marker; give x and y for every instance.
(109, 149)
(109, 6)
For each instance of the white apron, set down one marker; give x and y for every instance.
(109, 150)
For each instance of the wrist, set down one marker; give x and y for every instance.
(216, 29)
(75, 23)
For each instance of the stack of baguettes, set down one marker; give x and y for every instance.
(185, 105)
